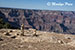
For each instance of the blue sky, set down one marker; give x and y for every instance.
(37, 4)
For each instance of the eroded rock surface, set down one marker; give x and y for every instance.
(44, 20)
(44, 40)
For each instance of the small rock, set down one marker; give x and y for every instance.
(1, 39)
(20, 46)
(60, 41)
(69, 38)
(7, 34)
(29, 46)
(35, 48)
(18, 34)
(4, 44)
(35, 35)
(13, 30)
(70, 49)
(13, 37)
(10, 31)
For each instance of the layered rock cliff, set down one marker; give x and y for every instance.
(44, 20)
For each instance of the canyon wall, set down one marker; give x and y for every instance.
(44, 20)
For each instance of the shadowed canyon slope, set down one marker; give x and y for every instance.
(44, 20)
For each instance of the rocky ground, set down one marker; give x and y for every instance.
(12, 40)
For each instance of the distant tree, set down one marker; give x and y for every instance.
(7, 25)
(1, 21)
(4, 24)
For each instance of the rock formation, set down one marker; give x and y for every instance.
(44, 20)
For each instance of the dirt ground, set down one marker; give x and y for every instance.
(12, 40)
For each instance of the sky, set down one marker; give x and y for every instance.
(69, 5)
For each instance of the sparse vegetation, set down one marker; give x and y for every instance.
(4, 24)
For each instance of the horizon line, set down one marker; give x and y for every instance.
(33, 9)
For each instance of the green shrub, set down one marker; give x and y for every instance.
(4, 24)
